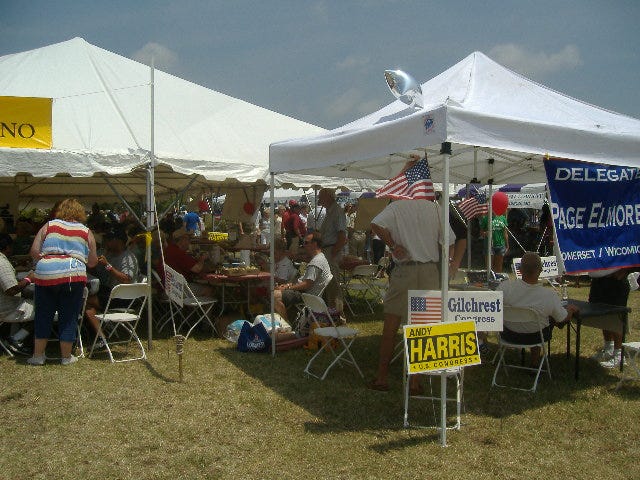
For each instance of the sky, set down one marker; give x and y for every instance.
(323, 61)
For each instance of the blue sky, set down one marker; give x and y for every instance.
(323, 61)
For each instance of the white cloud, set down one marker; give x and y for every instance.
(536, 64)
(350, 105)
(163, 58)
(353, 61)
(345, 103)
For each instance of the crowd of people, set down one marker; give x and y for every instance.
(71, 246)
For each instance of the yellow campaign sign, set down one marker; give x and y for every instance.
(440, 346)
(25, 122)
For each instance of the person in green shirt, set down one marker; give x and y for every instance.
(499, 239)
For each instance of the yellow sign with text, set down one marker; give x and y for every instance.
(440, 346)
(25, 122)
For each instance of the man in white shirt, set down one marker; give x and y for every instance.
(527, 292)
(411, 230)
(315, 279)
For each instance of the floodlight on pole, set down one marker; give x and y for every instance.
(404, 87)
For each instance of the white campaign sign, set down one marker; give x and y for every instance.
(174, 284)
(549, 267)
(484, 308)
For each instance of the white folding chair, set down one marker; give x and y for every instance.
(343, 335)
(115, 319)
(456, 374)
(632, 363)
(8, 321)
(522, 320)
(302, 310)
(359, 286)
(190, 308)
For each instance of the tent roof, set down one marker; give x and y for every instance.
(487, 112)
(101, 124)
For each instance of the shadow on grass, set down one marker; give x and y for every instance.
(343, 403)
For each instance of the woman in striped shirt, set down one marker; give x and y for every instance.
(62, 250)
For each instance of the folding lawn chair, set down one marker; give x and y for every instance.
(632, 363)
(114, 319)
(522, 320)
(343, 335)
(190, 309)
(359, 286)
(456, 374)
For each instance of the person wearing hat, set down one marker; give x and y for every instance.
(177, 256)
(116, 264)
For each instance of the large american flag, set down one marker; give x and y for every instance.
(412, 184)
(474, 206)
(425, 310)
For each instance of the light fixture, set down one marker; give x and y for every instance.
(404, 87)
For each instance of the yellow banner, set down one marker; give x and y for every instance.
(25, 122)
(440, 346)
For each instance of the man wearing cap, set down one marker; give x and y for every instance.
(177, 255)
(334, 237)
(116, 265)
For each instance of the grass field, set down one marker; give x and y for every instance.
(254, 416)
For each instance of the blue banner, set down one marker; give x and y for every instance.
(596, 214)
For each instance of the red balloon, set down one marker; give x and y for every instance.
(249, 208)
(499, 203)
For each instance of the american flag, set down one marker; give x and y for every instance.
(412, 184)
(425, 310)
(474, 206)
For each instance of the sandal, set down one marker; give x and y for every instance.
(378, 387)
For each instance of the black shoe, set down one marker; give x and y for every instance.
(19, 348)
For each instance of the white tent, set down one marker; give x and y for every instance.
(486, 112)
(102, 128)
(480, 121)
(115, 135)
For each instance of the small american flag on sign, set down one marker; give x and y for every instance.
(412, 184)
(474, 206)
(425, 310)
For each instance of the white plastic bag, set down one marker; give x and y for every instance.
(233, 330)
(281, 324)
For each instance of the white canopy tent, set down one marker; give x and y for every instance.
(486, 112)
(102, 127)
(480, 123)
(121, 129)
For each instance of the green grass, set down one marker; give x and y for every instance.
(253, 416)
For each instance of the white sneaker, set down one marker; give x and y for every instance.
(36, 360)
(69, 361)
(613, 362)
(602, 355)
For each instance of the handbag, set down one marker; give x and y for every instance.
(254, 338)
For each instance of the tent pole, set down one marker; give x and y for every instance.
(150, 210)
(444, 291)
(272, 266)
(122, 199)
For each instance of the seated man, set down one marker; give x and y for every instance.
(13, 309)
(177, 256)
(526, 292)
(315, 278)
(116, 265)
